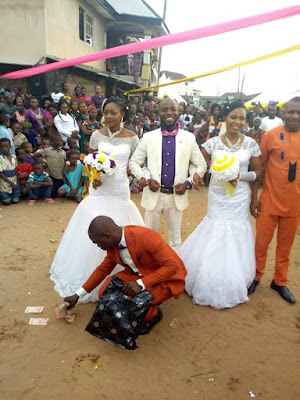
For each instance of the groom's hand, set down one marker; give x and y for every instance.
(154, 185)
(180, 188)
(72, 300)
(132, 288)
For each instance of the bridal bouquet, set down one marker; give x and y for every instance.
(100, 163)
(225, 168)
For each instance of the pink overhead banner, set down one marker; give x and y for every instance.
(159, 42)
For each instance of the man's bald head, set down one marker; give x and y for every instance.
(167, 100)
(168, 112)
(104, 232)
(101, 225)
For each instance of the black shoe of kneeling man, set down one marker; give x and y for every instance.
(284, 292)
(147, 326)
(252, 287)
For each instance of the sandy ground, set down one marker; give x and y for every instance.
(204, 354)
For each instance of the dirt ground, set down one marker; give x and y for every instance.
(193, 353)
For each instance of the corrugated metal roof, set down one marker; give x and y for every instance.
(132, 7)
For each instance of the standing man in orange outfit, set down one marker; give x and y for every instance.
(279, 203)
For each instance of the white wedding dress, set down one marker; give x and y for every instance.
(77, 256)
(219, 254)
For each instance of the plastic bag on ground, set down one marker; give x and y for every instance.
(117, 319)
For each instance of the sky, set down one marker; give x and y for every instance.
(276, 78)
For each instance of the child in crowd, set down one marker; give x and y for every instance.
(18, 136)
(39, 184)
(55, 157)
(72, 143)
(9, 188)
(56, 95)
(27, 146)
(72, 177)
(138, 126)
(256, 133)
(26, 129)
(4, 132)
(74, 110)
(23, 170)
(134, 183)
(154, 126)
(85, 150)
(52, 113)
(128, 123)
(93, 123)
(19, 115)
(46, 143)
(154, 119)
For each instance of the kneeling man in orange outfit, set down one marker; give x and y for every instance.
(150, 264)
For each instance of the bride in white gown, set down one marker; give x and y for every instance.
(219, 254)
(77, 257)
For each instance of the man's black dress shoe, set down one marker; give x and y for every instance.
(284, 292)
(252, 287)
(147, 326)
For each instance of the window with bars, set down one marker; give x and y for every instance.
(86, 23)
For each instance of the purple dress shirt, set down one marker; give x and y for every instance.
(168, 162)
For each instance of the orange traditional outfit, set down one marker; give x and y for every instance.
(279, 201)
(162, 271)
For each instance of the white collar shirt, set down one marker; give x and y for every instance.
(126, 259)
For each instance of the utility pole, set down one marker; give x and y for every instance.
(242, 86)
(239, 77)
(160, 50)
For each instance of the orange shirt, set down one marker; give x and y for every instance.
(280, 150)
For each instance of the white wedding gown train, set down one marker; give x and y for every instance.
(219, 254)
(77, 256)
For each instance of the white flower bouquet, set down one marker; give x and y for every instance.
(226, 168)
(100, 163)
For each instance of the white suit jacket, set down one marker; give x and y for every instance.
(150, 147)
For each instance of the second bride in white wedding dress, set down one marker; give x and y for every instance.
(219, 254)
(77, 257)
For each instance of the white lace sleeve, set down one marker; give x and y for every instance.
(134, 143)
(209, 146)
(254, 149)
(94, 140)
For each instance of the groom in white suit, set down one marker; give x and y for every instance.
(169, 152)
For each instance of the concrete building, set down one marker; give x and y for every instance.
(183, 92)
(36, 32)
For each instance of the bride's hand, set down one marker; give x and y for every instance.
(96, 183)
(143, 182)
(235, 181)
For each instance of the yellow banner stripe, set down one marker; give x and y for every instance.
(217, 71)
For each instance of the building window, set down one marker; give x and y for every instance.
(86, 23)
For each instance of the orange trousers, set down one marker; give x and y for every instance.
(286, 232)
(160, 292)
